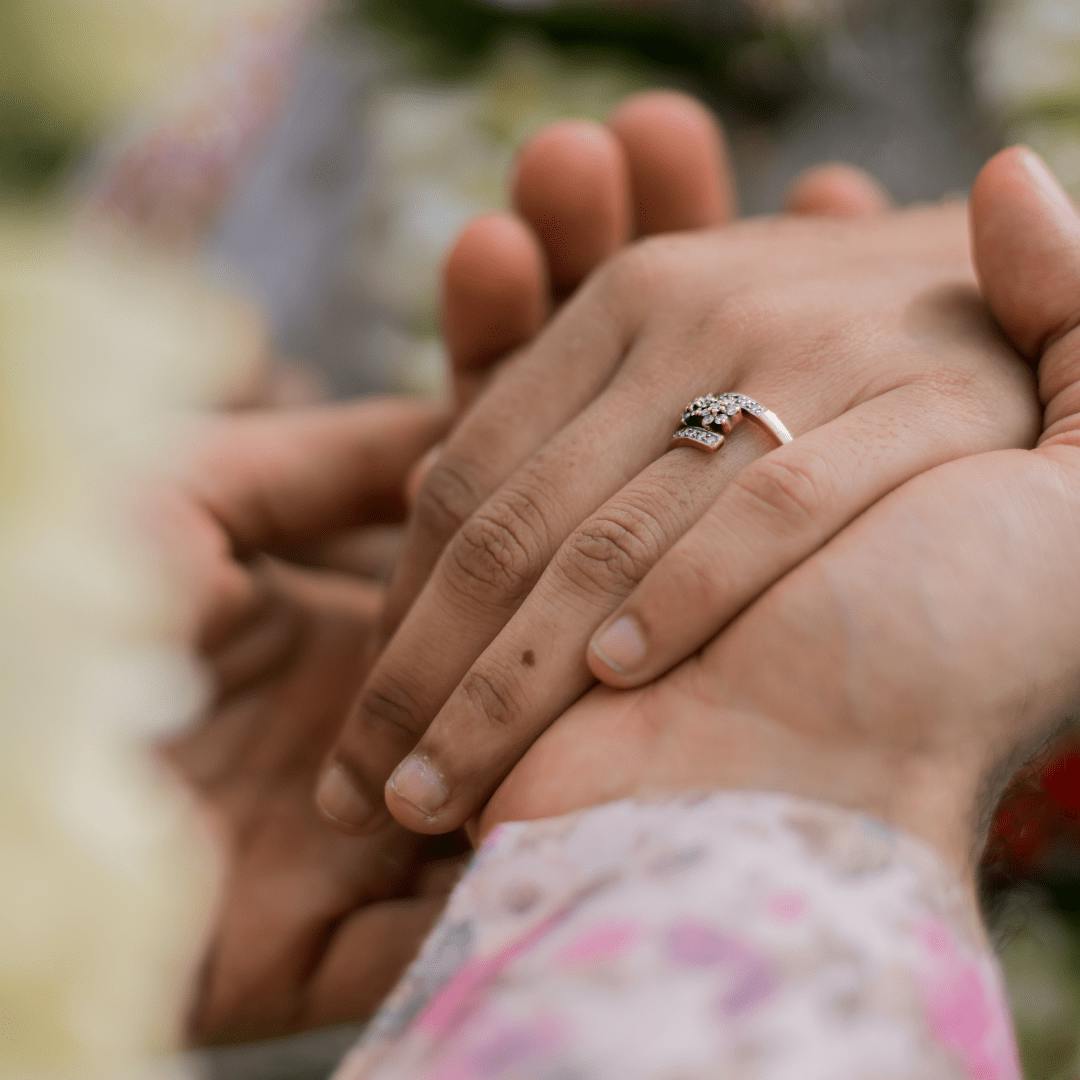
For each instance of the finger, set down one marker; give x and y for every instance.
(836, 191)
(518, 414)
(368, 954)
(367, 554)
(273, 481)
(1027, 252)
(220, 592)
(572, 189)
(535, 669)
(292, 386)
(489, 567)
(255, 642)
(777, 513)
(265, 967)
(574, 186)
(680, 174)
(494, 297)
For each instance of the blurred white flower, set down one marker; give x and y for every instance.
(108, 879)
(106, 887)
(440, 153)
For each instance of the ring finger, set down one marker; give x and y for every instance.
(581, 190)
(488, 573)
(708, 534)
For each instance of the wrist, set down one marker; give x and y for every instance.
(615, 746)
(924, 795)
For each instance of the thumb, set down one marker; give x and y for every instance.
(277, 480)
(1026, 236)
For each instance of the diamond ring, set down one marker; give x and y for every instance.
(708, 419)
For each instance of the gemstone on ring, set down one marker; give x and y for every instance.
(693, 436)
(704, 414)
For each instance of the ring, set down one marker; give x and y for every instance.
(708, 419)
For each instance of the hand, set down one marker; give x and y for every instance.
(908, 666)
(315, 927)
(555, 497)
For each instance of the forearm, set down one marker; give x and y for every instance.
(733, 934)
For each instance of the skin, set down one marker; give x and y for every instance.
(303, 908)
(545, 510)
(311, 940)
(314, 927)
(909, 664)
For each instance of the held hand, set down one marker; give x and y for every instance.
(555, 497)
(314, 927)
(906, 668)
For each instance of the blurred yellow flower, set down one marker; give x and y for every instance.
(76, 61)
(107, 881)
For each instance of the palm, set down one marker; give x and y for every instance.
(922, 628)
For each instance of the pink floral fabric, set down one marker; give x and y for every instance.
(741, 935)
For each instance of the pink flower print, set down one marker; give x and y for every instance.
(459, 996)
(466, 990)
(966, 1014)
(749, 976)
(599, 944)
(789, 906)
(502, 1049)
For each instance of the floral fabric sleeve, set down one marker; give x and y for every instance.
(740, 934)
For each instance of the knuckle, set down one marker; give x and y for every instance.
(695, 576)
(787, 487)
(489, 696)
(736, 312)
(496, 550)
(636, 271)
(612, 552)
(390, 706)
(446, 499)
(971, 396)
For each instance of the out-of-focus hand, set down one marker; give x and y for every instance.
(314, 926)
(912, 663)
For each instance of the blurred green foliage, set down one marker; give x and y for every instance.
(35, 148)
(734, 59)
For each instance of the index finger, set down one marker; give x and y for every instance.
(515, 416)
(482, 578)
(278, 479)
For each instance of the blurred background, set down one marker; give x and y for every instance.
(320, 157)
(352, 157)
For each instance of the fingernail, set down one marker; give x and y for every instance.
(340, 797)
(420, 784)
(1047, 183)
(622, 645)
